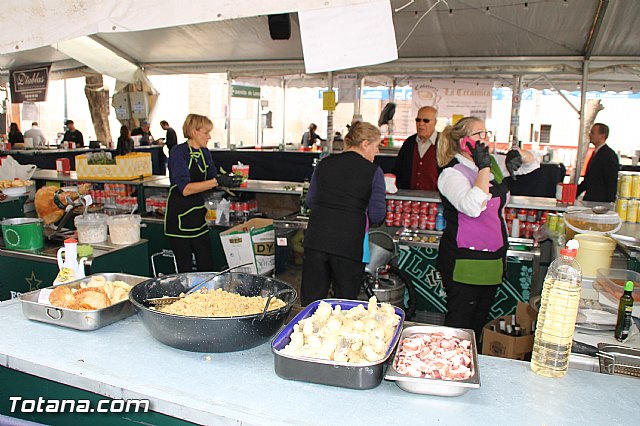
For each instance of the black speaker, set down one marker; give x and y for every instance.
(280, 26)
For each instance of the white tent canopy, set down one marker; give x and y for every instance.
(547, 42)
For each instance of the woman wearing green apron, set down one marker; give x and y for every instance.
(192, 172)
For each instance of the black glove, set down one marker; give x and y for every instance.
(229, 181)
(480, 155)
(513, 161)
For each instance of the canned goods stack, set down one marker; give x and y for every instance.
(240, 210)
(628, 196)
(525, 223)
(413, 214)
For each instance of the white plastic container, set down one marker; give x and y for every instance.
(92, 228)
(594, 253)
(580, 220)
(124, 228)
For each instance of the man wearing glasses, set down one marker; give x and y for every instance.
(416, 166)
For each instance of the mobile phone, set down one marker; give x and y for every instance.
(463, 144)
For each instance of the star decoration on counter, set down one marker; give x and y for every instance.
(34, 283)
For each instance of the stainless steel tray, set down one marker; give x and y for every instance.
(80, 320)
(618, 359)
(438, 387)
(326, 372)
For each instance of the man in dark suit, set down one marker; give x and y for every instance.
(601, 176)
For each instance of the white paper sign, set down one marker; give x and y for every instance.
(338, 38)
(347, 87)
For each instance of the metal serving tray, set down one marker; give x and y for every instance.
(80, 320)
(618, 359)
(437, 387)
(325, 372)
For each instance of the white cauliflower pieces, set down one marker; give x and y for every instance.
(357, 335)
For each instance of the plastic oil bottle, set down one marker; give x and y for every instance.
(557, 314)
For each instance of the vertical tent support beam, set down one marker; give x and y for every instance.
(284, 109)
(329, 142)
(356, 105)
(583, 103)
(228, 118)
(516, 98)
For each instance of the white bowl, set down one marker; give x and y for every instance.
(14, 191)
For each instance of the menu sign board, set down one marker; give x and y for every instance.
(29, 85)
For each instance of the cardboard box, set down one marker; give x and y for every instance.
(501, 345)
(127, 167)
(253, 241)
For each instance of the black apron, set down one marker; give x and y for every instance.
(185, 217)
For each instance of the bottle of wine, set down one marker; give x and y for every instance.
(623, 324)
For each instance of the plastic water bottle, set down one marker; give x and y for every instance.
(440, 223)
(557, 315)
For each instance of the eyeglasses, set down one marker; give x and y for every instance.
(483, 134)
(424, 120)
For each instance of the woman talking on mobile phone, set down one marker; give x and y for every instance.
(473, 247)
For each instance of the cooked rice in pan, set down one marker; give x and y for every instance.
(220, 303)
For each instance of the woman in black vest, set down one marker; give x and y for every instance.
(473, 248)
(347, 193)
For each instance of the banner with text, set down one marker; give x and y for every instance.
(29, 85)
(452, 97)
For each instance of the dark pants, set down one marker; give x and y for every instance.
(321, 269)
(200, 246)
(468, 305)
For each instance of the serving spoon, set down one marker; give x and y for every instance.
(166, 300)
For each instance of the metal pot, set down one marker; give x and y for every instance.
(220, 334)
(22, 233)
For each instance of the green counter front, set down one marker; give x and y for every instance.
(26, 271)
(419, 263)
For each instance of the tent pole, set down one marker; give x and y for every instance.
(516, 98)
(330, 118)
(228, 118)
(583, 102)
(356, 105)
(284, 110)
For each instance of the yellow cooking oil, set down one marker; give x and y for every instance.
(557, 316)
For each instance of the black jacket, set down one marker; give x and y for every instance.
(601, 178)
(125, 146)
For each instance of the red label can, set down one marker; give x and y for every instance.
(406, 222)
(389, 220)
(522, 215)
(414, 221)
(390, 205)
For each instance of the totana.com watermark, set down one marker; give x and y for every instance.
(42, 405)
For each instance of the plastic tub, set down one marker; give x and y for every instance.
(613, 280)
(92, 228)
(124, 228)
(595, 252)
(580, 220)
